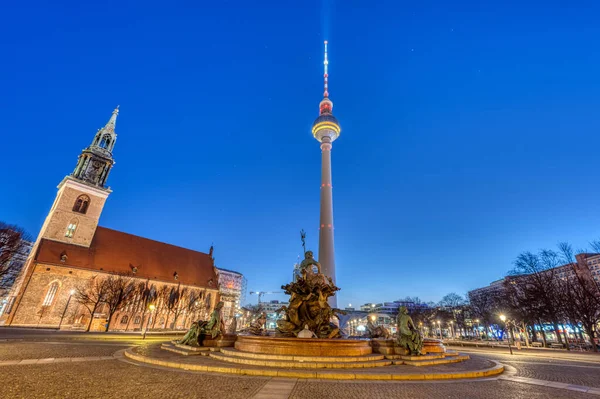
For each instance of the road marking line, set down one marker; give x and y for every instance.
(552, 384)
(54, 360)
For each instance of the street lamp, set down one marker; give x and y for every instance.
(477, 322)
(151, 307)
(505, 321)
(440, 328)
(66, 307)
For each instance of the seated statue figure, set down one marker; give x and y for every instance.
(201, 328)
(409, 336)
(374, 331)
(257, 326)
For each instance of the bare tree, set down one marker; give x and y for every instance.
(91, 295)
(175, 304)
(118, 290)
(536, 281)
(192, 305)
(582, 304)
(452, 300)
(595, 245)
(484, 308)
(136, 301)
(162, 298)
(13, 253)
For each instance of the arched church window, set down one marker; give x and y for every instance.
(105, 142)
(50, 294)
(137, 320)
(81, 204)
(71, 229)
(124, 319)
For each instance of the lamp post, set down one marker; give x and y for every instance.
(506, 322)
(451, 330)
(151, 307)
(440, 328)
(66, 307)
(478, 335)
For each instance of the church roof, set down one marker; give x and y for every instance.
(118, 252)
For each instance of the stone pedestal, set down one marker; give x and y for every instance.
(222, 341)
(433, 346)
(389, 347)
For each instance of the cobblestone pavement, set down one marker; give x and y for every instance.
(116, 378)
(462, 390)
(31, 350)
(556, 370)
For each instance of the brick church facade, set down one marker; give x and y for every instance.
(71, 250)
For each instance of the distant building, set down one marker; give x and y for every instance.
(232, 286)
(391, 308)
(367, 307)
(270, 308)
(587, 265)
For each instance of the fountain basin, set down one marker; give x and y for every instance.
(302, 346)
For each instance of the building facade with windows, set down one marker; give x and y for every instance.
(71, 251)
(586, 265)
(232, 287)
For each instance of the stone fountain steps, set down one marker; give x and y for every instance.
(334, 363)
(432, 362)
(408, 357)
(185, 350)
(298, 358)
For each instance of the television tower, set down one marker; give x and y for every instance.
(326, 129)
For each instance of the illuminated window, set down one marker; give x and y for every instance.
(50, 294)
(81, 204)
(71, 229)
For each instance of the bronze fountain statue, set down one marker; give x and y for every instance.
(374, 331)
(214, 327)
(257, 326)
(409, 336)
(308, 303)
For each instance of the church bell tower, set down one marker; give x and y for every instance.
(81, 195)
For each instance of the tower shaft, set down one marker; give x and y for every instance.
(326, 248)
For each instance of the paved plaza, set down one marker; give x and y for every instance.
(45, 364)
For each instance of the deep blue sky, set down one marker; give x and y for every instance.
(470, 130)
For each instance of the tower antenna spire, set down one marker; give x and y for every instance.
(325, 75)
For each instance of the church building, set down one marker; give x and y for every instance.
(173, 286)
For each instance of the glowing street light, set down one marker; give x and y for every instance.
(506, 322)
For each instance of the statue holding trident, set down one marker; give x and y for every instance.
(308, 308)
(409, 336)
